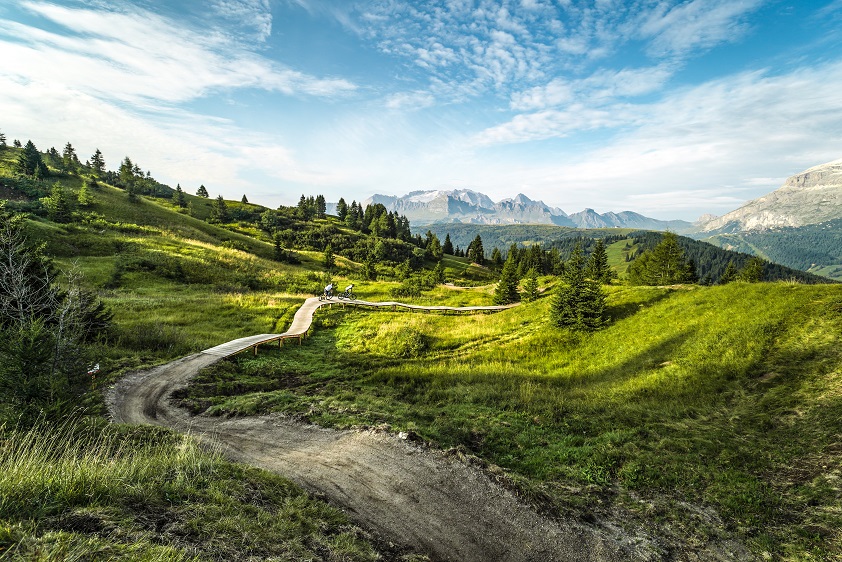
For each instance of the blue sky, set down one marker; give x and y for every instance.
(665, 107)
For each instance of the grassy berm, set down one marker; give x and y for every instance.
(700, 414)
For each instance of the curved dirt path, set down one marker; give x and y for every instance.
(408, 495)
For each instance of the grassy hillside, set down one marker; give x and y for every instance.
(700, 413)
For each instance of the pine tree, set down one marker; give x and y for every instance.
(729, 275)
(663, 265)
(98, 163)
(580, 302)
(752, 272)
(447, 247)
(530, 286)
(476, 253)
(69, 159)
(598, 268)
(244, 200)
(2, 140)
(202, 191)
(496, 257)
(30, 162)
(85, 197)
(59, 207)
(321, 206)
(439, 274)
(341, 209)
(507, 289)
(179, 198)
(219, 210)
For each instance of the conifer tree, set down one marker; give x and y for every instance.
(730, 274)
(447, 246)
(85, 197)
(97, 163)
(30, 162)
(752, 272)
(530, 286)
(202, 191)
(496, 257)
(219, 210)
(341, 209)
(69, 159)
(59, 207)
(244, 200)
(475, 252)
(321, 206)
(439, 274)
(663, 265)
(16, 143)
(506, 291)
(2, 140)
(598, 268)
(179, 198)
(580, 302)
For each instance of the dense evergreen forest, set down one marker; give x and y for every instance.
(806, 247)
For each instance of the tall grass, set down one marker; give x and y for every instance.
(81, 492)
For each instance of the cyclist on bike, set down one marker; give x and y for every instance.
(349, 288)
(329, 290)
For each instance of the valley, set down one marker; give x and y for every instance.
(691, 422)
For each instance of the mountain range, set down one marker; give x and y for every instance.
(467, 206)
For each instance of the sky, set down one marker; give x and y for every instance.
(669, 108)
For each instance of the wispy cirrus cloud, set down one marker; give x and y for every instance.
(697, 25)
(254, 16)
(139, 57)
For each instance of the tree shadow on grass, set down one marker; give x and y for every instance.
(618, 312)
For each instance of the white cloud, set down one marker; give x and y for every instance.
(255, 15)
(710, 141)
(138, 57)
(696, 25)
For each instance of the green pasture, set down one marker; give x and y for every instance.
(694, 400)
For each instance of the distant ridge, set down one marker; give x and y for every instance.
(471, 207)
(811, 197)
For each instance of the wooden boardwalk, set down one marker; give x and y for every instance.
(303, 320)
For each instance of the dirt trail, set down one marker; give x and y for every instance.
(408, 495)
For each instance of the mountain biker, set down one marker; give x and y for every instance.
(349, 288)
(329, 290)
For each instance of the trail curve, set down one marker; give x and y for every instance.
(407, 494)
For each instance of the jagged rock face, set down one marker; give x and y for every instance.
(811, 197)
(466, 206)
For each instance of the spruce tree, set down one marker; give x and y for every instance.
(579, 303)
(85, 198)
(598, 268)
(447, 246)
(202, 191)
(507, 290)
(321, 206)
(752, 272)
(729, 275)
(2, 140)
(342, 209)
(30, 162)
(244, 200)
(219, 210)
(98, 163)
(663, 265)
(476, 253)
(179, 198)
(58, 204)
(530, 286)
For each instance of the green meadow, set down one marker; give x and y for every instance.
(698, 413)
